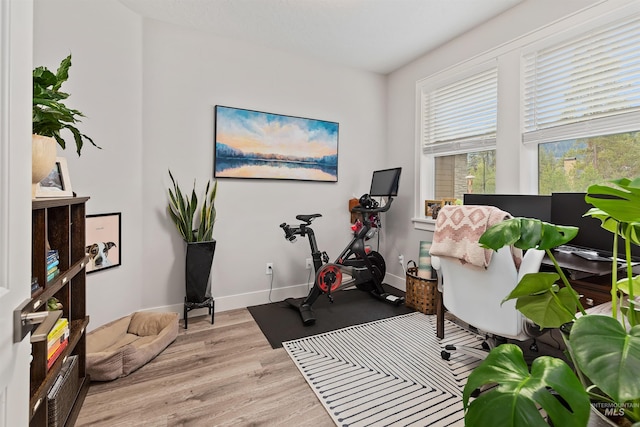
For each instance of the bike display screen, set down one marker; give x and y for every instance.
(384, 183)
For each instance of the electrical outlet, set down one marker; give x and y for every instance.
(401, 259)
(269, 270)
(309, 264)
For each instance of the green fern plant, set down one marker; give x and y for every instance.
(182, 210)
(50, 115)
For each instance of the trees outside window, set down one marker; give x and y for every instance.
(573, 165)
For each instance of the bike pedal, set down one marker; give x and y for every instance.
(392, 298)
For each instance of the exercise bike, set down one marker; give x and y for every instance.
(366, 267)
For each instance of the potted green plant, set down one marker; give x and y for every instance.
(50, 116)
(196, 229)
(604, 350)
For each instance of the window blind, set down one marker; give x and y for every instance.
(586, 84)
(461, 115)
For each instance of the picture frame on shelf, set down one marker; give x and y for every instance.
(432, 207)
(57, 184)
(260, 145)
(103, 241)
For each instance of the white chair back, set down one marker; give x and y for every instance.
(474, 294)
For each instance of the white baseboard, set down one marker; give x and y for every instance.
(232, 302)
(396, 282)
(248, 299)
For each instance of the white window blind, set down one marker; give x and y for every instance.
(461, 115)
(586, 85)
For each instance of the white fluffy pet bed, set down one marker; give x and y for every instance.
(120, 347)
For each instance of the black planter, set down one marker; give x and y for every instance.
(198, 268)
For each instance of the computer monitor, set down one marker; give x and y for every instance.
(569, 208)
(384, 183)
(518, 205)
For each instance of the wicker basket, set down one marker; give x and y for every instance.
(421, 293)
(62, 395)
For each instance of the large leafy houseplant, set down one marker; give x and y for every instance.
(604, 350)
(193, 225)
(50, 115)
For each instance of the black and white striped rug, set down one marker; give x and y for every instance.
(388, 372)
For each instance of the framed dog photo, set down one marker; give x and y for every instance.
(57, 183)
(103, 241)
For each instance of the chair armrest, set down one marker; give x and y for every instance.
(531, 262)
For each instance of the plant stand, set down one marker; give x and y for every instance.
(188, 306)
(197, 271)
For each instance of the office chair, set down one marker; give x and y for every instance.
(473, 295)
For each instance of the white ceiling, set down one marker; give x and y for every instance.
(373, 35)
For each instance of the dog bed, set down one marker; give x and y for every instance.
(120, 347)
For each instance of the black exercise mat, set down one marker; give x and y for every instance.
(280, 322)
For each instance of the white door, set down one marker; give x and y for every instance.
(16, 52)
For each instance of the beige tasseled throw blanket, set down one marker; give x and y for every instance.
(458, 229)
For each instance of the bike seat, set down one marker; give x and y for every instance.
(307, 218)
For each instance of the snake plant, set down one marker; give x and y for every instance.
(193, 225)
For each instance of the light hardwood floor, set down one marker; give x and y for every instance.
(224, 374)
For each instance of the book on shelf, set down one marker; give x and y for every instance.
(52, 264)
(56, 340)
(58, 337)
(52, 275)
(52, 255)
(61, 325)
(55, 344)
(51, 270)
(34, 284)
(51, 360)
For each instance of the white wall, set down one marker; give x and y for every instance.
(401, 149)
(148, 90)
(105, 83)
(185, 75)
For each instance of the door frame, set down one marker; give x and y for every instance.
(16, 65)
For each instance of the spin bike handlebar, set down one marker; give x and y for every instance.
(376, 210)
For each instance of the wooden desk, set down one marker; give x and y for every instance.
(576, 266)
(591, 279)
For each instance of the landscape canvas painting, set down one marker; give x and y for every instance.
(254, 144)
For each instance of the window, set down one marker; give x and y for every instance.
(562, 113)
(573, 165)
(582, 107)
(459, 133)
(473, 172)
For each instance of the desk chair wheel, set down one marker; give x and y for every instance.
(446, 354)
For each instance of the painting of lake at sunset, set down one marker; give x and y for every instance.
(253, 144)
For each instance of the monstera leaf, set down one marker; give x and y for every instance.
(541, 300)
(513, 401)
(608, 355)
(621, 201)
(527, 233)
(538, 296)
